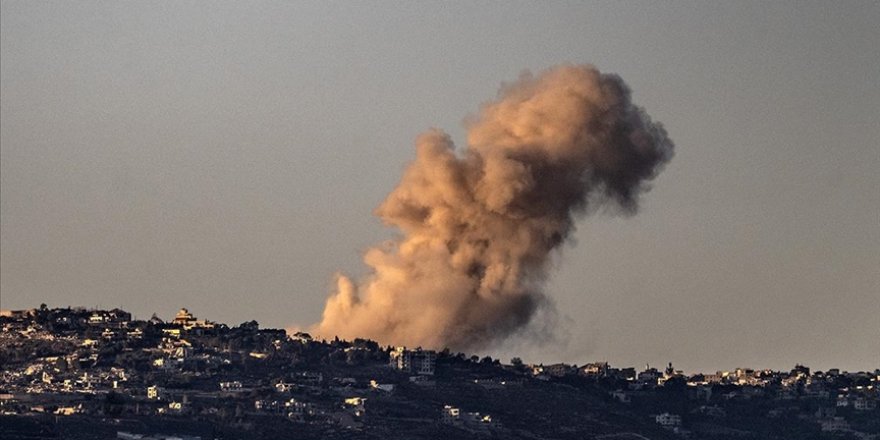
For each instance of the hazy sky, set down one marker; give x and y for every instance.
(227, 157)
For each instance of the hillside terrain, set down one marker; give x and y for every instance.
(99, 374)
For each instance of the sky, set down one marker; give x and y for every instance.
(227, 157)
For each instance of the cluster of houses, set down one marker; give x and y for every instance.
(164, 368)
(829, 390)
(78, 361)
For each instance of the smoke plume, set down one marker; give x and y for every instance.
(479, 226)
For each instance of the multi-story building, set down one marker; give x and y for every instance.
(416, 361)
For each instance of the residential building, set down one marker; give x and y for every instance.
(416, 361)
(668, 420)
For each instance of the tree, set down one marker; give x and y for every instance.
(251, 325)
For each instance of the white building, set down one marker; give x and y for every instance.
(189, 322)
(836, 424)
(668, 420)
(98, 318)
(284, 387)
(155, 393)
(450, 415)
(178, 407)
(231, 386)
(864, 404)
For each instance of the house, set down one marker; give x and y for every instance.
(183, 317)
(622, 373)
(189, 322)
(298, 411)
(472, 421)
(284, 387)
(178, 407)
(231, 386)
(699, 392)
(386, 387)
(98, 318)
(18, 315)
(311, 377)
(864, 404)
(172, 332)
(357, 405)
(113, 318)
(649, 376)
(263, 405)
(717, 377)
(479, 422)
(301, 337)
(835, 424)
(68, 410)
(595, 369)
(668, 420)
(450, 415)
(155, 393)
(558, 370)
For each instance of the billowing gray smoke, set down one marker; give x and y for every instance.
(479, 226)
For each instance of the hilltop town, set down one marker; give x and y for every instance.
(79, 373)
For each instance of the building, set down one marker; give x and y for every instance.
(183, 317)
(450, 415)
(301, 337)
(186, 320)
(835, 424)
(231, 386)
(650, 375)
(386, 387)
(155, 393)
(595, 369)
(298, 411)
(864, 404)
(357, 405)
(472, 421)
(284, 387)
(558, 370)
(668, 420)
(115, 318)
(416, 361)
